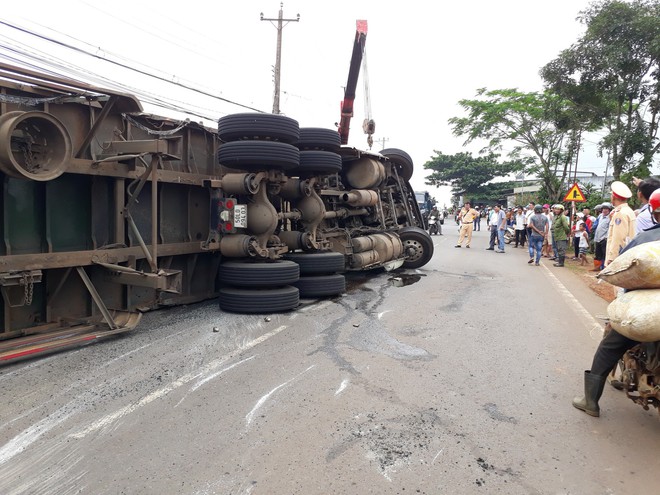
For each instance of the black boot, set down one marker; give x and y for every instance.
(560, 261)
(593, 389)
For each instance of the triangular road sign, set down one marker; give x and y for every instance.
(575, 194)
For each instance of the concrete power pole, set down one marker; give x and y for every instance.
(278, 55)
(382, 142)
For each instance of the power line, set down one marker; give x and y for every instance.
(139, 71)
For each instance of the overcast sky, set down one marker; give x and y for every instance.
(423, 57)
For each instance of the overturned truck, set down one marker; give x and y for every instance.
(108, 212)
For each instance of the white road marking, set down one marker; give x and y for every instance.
(342, 387)
(161, 392)
(594, 327)
(250, 416)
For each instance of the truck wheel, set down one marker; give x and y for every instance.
(321, 285)
(318, 138)
(241, 126)
(318, 162)
(417, 246)
(322, 263)
(401, 160)
(263, 275)
(258, 155)
(255, 301)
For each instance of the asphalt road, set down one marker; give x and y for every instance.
(453, 379)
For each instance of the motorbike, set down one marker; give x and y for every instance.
(434, 226)
(509, 235)
(639, 374)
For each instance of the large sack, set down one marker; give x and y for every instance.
(637, 268)
(636, 314)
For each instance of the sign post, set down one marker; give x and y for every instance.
(574, 195)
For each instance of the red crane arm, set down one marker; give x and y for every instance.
(351, 84)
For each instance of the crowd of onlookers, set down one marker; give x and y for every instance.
(549, 230)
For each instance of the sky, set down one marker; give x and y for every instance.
(422, 58)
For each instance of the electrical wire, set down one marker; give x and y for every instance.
(125, 66)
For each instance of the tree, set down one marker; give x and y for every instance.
(468, 175)
(612, 75)
(542, 127)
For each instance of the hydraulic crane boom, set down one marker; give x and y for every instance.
(353, 72)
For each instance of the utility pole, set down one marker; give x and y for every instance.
(382, 142)
(278, 55)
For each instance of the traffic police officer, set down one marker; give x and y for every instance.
(466, 217)
(622, 222)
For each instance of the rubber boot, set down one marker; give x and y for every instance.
(560, 261)
(596, 266)
(593, 389)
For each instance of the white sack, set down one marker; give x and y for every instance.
(637, 268)
(636, 314)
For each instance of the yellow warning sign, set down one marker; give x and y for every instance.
(575, 194)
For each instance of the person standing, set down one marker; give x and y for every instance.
(547, 242)
(583, 243)
(528, 213)
(477, 220)
(538, 224)
(578, 219)
(644, 190)
(560, 230)
(500, 222)
(466, 217)
(622, 222)
(519, 227)
(600, 236)
(492, 227)
(588, 219)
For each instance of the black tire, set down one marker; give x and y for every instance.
(256, 301)
(318, 138)
(321, 285)
(258, 155)
(263, 275)
(417, 246)
(401, 160)
(240, 126)
(318, 162)
(322, 263)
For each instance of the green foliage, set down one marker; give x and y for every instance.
(611, 76)
(465, 173)
(543, 127)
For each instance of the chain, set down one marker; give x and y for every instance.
(29, 156)
(28, 283)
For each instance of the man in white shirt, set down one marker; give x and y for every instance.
(528, 213)
(644, 190)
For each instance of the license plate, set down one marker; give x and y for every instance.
(240, 216)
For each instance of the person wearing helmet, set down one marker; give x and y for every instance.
(622, 222)
(600, 236)
(538, 225)
(644, 190)
(560, 231)
(614, 345)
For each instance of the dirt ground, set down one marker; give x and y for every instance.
(600, 287)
